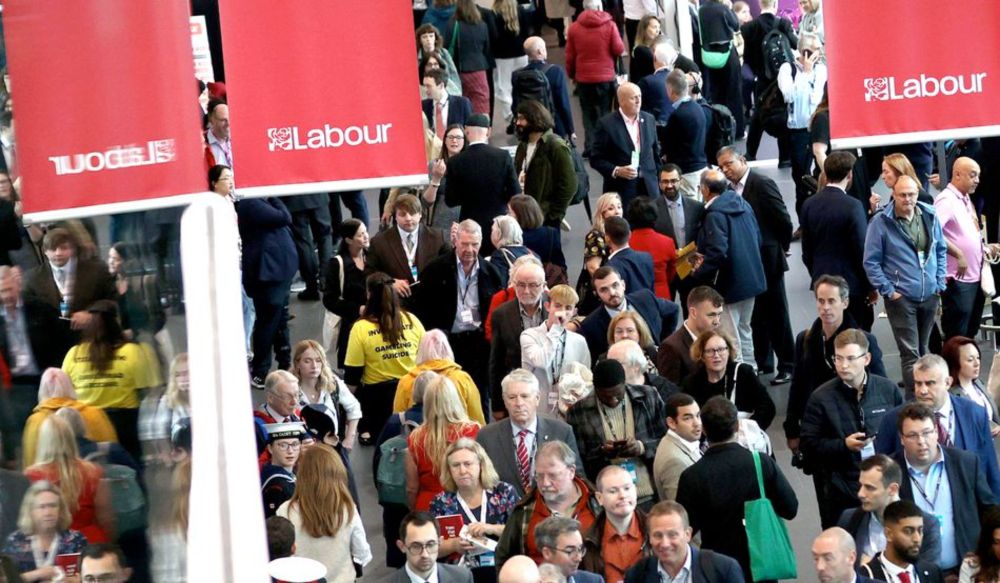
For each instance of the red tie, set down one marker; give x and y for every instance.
(439, 125)
(523, 463)
(943, 437)
(904, 577)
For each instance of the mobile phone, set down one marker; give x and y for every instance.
(806, 54)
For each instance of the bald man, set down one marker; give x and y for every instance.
(906, 261)
(562, 114)
(958, 220)
(625, 149)
(519, 569)
(833, 555)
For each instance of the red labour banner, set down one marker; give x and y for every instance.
(323, 95)
(106, 106)
(906, 71)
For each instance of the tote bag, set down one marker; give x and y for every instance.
(771, 554)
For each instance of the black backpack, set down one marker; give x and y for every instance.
(531, 83)
(777, 51)
(721, 128)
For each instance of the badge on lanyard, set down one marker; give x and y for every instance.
(629, 466)
(634, 163)
(465, 316)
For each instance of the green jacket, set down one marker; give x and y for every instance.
(550, 178)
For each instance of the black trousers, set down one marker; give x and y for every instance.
(832, 502)
(726, 88)
(595, 101)
(270, 330)
(472, 353)
(772, 329)
(801, 158)
(126, 422)
(376, 406)
(16, 406)
(313, 236)
(755, 131)
(863, 314)
(961, 309)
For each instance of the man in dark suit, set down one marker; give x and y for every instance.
(772, 329)
(66, 276)
(481, 178)
(958, 495)
(963, 425)
(441, 109)
(669, 534)
(501, 440)
(654, 86)
(904, 533)
(660, 315)
(678, 217)
(880, 482)
(404, 251)
(834, 556)
(418, 539)
(635, 267)
(673, 359)
(715, 489)
(313, 236)
(685, 134)
(537, 53)
(509, 320)
(625, 149)
(453, 296)
(834, 226)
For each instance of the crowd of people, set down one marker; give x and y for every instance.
(524, 427)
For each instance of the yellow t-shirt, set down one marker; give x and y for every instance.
(383, 361)
(134, 367)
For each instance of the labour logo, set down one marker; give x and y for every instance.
(877, 89)
(280, 139)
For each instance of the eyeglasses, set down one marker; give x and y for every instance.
(454, 137)
(570, 551)
(670, 181)
(839, 359)
(716, 351)
(430, 547)
(924, 435)
(288, 446)
(528, 285)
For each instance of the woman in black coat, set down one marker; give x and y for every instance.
(723, 86)
(344, 293)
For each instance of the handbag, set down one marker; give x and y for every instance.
(986, 281)
(331, 321)
(713, 59)
(771, 554)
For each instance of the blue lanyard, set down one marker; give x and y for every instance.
(937, 487)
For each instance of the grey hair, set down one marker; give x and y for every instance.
(277, 377)
(472, 227)
(547, 532)
(557, 450)
(519, 375)
(549, 572)
(665, 53)
(420, 385)
(930, 362)
(510, 230)
(434, 346)
(522, 261)
(74, 420)
(633, 356)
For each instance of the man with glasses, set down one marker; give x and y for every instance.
(277, 478)
(945, 482)
(558, 490)
(840, 423)
(419, 540)
(103, 563)
(561, 543)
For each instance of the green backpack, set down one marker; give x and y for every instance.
(127, 498)
(390, 476)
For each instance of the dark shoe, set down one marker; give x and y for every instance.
(365, 439)
(781, 378)
(257, 383)
(309, 295)
(764, 371)
(784, 163)
(797, 235)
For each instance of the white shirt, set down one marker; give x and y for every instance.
(616, 251)
(683, 576)
(693, 335)
(615, 311)
(740, 186)
(892, 571)
(529, 442)
(876, 537)
(632, 126)
(636, 9)
(692, 446)
(69, 270)
(411, 255)
(221, 150)
(414, 578)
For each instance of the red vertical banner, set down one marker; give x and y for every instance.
(323, 95)
(929, 72)
(105, 105)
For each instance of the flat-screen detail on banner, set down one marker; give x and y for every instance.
(106, 112)
(323, 96)
(931, 74)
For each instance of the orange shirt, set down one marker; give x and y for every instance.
(620, 551)
(581, 512)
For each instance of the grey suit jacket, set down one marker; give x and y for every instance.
(693, 213)
(498, 441)
(445, 573)
(672, 458)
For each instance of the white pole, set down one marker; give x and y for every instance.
(226, 540)
(685, 38)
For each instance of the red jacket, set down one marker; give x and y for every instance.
(664, 252)
(593, 44)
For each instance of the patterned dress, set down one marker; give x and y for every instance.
(18, 546)
(499, 503)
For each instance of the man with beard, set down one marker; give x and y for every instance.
(904, 531)
(543, 162)
(678, 217)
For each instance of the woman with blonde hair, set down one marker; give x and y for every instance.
(58, 461)
(157, 421)
(42, 534)
(595, 251)
(629, 325)
(513, 27)
(55, 391)
(473, 490)
(318, 385)
(169, 541)
(893, 166)
(327, 524)
(445, 422)
(435, 355)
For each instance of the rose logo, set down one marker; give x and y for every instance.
(280, 139)
(877, 89)
(164, 151)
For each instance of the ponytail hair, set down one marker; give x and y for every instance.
(382, 307)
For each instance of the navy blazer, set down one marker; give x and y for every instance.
(970, 496)
(654, 95)
(459, 110)
(834, 226)
(269, 253)
(684, 137)
(584, 577)
(558, 87)
(722, 569)
(694, 211)
(660, 315)
(857, 522)
(612, 147)
(972, 434)
(635, 268)
(773, 220)
(481, 179)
